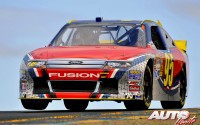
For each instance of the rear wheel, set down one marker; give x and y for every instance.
(177, 104)
(35, 104)
(76, 105)
(147, 90)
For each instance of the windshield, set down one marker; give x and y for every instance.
(86, 35)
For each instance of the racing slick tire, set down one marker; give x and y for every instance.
(178, 104)
(147, 89)
(76, 105)
(35, 104)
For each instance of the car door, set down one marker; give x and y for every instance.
(164, 60)
(177, 61)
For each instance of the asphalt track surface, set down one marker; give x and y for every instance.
(93, 117)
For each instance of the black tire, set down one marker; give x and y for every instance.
(76, 105)
(147, 89)
(178, 104)
(35, 104)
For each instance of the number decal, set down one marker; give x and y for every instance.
(169, 69)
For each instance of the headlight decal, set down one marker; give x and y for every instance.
(36, 64)
(118, 64)
(33, 71)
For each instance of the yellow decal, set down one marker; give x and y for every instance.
(169, 69)
(159, 23)
(181, 44)
(32, 64)
(71, 21)
(135, 72)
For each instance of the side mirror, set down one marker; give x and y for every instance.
(181, 44)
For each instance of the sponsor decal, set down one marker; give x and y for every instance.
(138, 97)
(75, 75)
(23, 85)
(75, 62)
(133, 82)
(183, 117)
(128, 96)
(135, 74)
(134, 88)
(134, 71)
(23, 76)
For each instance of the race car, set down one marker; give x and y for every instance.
(133, 62)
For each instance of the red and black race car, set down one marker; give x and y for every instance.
(130, 61)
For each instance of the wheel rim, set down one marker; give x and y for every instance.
(147, 85)
(182, 89)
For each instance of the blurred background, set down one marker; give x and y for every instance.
(27, 25)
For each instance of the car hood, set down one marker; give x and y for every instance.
(89, 52)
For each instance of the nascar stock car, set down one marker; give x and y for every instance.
(133, 62)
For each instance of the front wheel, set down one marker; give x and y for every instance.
(177, 104)
(147, 93)
(35, 104)
(76, 105)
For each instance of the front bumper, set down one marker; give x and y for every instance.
(81, 82)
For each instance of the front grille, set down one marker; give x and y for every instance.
(73, 86)
(75, 63)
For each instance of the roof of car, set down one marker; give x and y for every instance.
(105, 21)
(113, 21)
